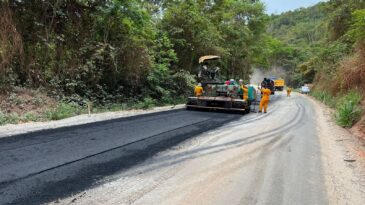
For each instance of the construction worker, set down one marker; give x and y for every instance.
(288, 92)
(232, 82)
(265, 98)
(244, 89)
(198, 90)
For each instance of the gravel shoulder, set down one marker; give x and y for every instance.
(16, 129)
(343, 159)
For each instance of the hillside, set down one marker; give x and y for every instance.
(326, 44)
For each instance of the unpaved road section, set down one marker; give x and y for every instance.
(183, 157)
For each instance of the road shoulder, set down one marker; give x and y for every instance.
(344, 165)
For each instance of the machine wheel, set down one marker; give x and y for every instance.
(247, 110)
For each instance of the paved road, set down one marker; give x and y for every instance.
(173, 157)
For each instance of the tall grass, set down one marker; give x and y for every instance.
(348, 109)
(347, 106)
(325, 97)
(64, 110)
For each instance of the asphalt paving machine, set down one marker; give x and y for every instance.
(218, 95)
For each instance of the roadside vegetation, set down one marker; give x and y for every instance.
(26, 105)
(120, 54)
(324, 46)
(348, 109)
(59, 57)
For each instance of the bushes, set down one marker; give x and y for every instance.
(15, 118)
(348, 110)
(147, 103)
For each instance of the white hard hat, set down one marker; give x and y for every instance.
(231, 80)
(199, 84)
(240, 80)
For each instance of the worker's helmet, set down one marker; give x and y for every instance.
(199, 84)
(241, 81)
(232, 80)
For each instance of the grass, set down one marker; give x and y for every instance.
(348, 109)
(2, 118)
(64, 110)
(30, 117)
(147, 103)
(325, 97)
(9, 119)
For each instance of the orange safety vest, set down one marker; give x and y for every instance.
(266, 94)
(198, 91)
(245, 92)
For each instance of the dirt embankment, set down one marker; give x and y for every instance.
(348, 77)
(23, 101)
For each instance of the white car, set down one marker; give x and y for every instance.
(304, 90)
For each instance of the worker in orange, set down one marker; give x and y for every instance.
(244, 89)
(265, 98)
(198, 90)
(288, 92)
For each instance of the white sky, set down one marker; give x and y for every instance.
(279, 6)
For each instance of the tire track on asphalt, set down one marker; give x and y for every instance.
(236, 163)
(109, 150)
(260, 169)
(135, 196)
(254, 118)
(293, 123)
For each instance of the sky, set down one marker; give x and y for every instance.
(279, 6)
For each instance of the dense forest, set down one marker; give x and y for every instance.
(145, 52)
(117, 50)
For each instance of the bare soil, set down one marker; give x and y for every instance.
(23, 101)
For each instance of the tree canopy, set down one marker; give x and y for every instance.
(118, 50)
(114, 50)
